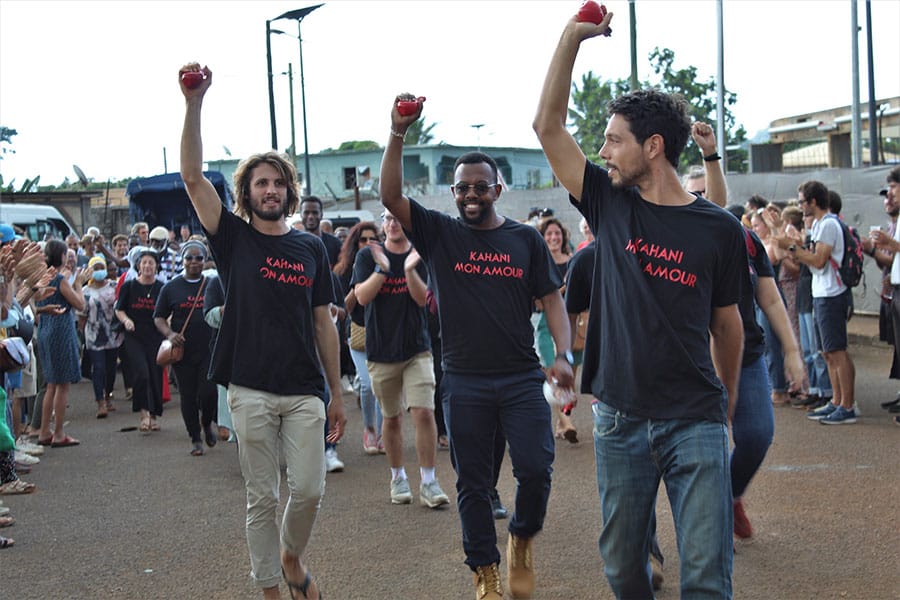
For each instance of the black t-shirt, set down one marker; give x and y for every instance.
(659, 273)
(332, 247)
(138, 301)
(760, 266)
(578, 285)
(272, 283)
(396, 328)
(213, 297)
(485, 282)
(176, 299)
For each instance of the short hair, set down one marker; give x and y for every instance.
(815, 191)
(756, 202)
(545, 224)
(242, 182)
(54, 251)
(835, 204)
(476, 158)
(652, 112)
(894, 175)
(315, 199)
(138, 226)
(793, 215)
(119, 238)
(695, 172)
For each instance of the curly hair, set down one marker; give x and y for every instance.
(350, 248)
(242, 182)
(652, 112)
(545, 223)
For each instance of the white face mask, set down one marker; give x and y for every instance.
(99, 275)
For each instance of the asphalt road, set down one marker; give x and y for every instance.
(128, 516)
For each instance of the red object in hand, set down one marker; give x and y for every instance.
(192, 79)
(594, 13)
(409, 107)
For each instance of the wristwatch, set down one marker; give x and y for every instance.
(792, 248)
(567, 356)
(378, 269)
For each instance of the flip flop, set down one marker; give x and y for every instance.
(16, 487)
(66, 441)
(45, 442)
(7, 521)
(6, 542)
(302, 588)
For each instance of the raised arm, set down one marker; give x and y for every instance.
(563, 153)
(201, 192)
(705, 138)
(391, 183)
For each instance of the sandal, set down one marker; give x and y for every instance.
(197, 450)
(303, 588)
(66, 441)
(6, 542)
(7, 521)
(16, 487)
(101, 409)
(145, 425)
(154, 426)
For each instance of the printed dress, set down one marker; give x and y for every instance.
(57, 346)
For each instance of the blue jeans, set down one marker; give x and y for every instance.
(691, 457)
(753, 426)
(477, 408)
(103, 371)
(371, 411)
(816, 369)
(774, 354)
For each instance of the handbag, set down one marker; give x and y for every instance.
(168, 353)
(357, 337)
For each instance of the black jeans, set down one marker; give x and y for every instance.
(199, 397)
(103, 371)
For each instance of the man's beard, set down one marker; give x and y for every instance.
(273, 214)
(483, 213)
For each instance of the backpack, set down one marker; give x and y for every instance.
(851, 267)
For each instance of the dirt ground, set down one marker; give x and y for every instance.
(127, 516)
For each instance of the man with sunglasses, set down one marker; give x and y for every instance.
(390, 284)
(486, 271)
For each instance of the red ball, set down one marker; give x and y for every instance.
(192, 79)
(592, 12)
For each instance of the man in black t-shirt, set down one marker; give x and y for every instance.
(311, 211)
(486, 272)
(390, 283)
(669, 272)
(276, 330)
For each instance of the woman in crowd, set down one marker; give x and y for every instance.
(181, 301)
(134, 308)
(101, 339)
(360, 234)
(557, 238)
(57, 345)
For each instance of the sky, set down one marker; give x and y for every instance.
(95, 83)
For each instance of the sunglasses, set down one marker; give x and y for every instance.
(481, 189)
(368, 239)
(190, 257)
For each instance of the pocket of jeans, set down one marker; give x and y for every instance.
(605, 419)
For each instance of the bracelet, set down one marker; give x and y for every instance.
(397, 134)
(712, 157)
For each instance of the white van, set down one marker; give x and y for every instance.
(38, 221)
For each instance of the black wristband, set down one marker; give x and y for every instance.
(712, 157)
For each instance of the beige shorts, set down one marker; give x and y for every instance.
(413, 378)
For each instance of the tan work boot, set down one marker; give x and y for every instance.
(519, 567)
(487, 583)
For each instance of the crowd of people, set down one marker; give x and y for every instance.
(461, 322)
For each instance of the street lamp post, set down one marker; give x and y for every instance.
(293, 153)
(298, 16)
(271, 88)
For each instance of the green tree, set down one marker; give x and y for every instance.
(359, 146)
(418, 134)
(6, 135)
(589, 116)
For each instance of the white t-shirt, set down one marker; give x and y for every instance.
(895, 265)
(826, 282)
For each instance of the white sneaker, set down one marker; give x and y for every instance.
(26, 459)
(333, 464)
(26, 447)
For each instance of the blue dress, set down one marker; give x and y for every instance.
(57, 342)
